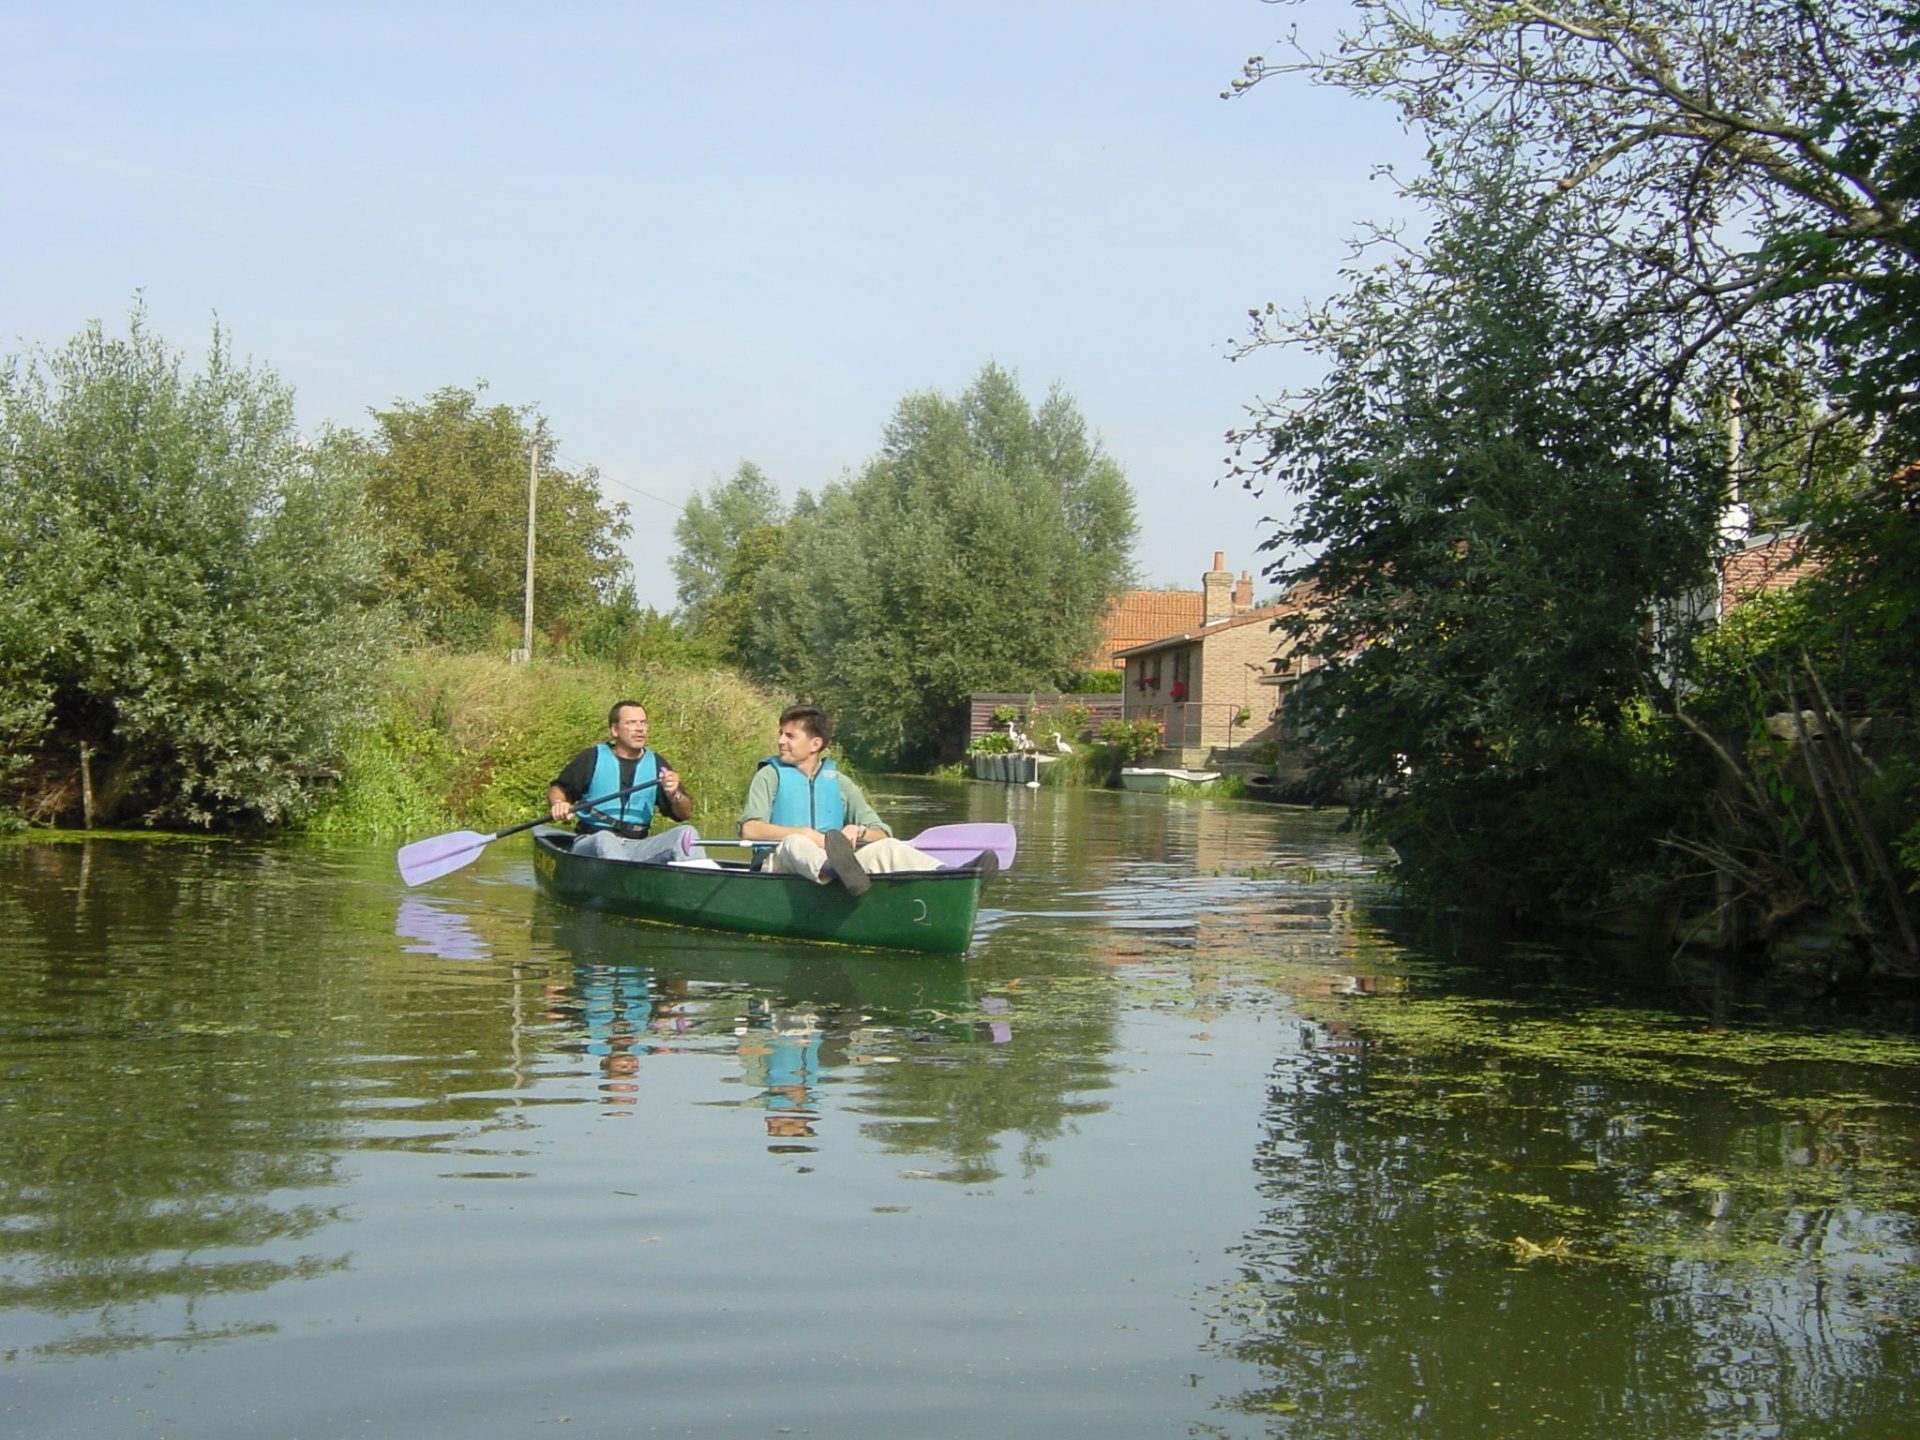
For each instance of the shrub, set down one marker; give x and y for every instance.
(188, 590)
(1135, 740)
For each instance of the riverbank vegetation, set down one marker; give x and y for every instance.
(472, 740)
(1662, 317)
(189, 612)
(975, 551)
(214, 621)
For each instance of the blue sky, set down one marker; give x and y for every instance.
(693, 234)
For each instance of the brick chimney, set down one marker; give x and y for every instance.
(1243, 594)
(1216, 588)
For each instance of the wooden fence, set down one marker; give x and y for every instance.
(1100, 709)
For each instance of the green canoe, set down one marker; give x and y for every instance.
(930, 911)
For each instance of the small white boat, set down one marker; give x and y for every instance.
(1159, 782)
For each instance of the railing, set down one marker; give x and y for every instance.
(1196, 724)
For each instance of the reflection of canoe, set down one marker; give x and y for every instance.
(1160, 781)
(929, 911)
(795, 976)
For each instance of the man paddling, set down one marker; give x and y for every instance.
(824, 826)
(618, 829)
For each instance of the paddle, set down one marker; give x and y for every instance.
(960, 844)
(426, 860)
(952, 845)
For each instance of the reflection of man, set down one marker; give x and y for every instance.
(617, 829)
(620, 1067)
(783, 1060)
(790, 1127)
(819, 817)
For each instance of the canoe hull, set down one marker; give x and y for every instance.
(1159, 782)
(931, 912)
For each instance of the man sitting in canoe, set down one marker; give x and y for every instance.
(617, 829)
(819, 817)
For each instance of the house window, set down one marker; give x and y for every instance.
(1182, 675)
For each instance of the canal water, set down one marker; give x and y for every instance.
(1203, 1138)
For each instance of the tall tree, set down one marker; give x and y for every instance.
(726, 622)
(976, 551)
(449, 481)
(1730, 177)
(1490, 508)
(186, 585)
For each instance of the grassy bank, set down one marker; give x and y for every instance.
(468, 740)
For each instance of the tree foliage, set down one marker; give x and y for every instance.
(1740, 161)
(1734, 178)
(1730, 189)
(1490, 508)
(187, 585)
(448, 480)
(710, 530)
(976, 551)
(727, 537)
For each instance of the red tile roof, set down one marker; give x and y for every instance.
(1137, 616)
(1194, 632)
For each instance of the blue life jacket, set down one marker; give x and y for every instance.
(632, 814)
(816, 803)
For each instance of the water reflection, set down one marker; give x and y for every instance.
(882, 1034)
(1651, 1229)
(1413, 1198)
(781, 1062)
(433, 928)
(185, 1155)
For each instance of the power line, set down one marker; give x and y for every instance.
(606, 479)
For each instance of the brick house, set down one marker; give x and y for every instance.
(1137, 617)
(1764, 562)
(1209, 685)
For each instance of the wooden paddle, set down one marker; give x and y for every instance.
(953, 845)
(426, 860)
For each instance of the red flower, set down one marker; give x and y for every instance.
(1179, 691)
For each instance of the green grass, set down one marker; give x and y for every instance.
(473, 741)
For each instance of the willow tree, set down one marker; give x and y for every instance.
(976, 551)
(186, 586)
(727, 537)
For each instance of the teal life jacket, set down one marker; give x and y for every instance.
(631, 814)
(816, 803)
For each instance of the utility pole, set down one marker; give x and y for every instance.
(533, 485)
(1736, 517)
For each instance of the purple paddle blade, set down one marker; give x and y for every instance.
(426, 860)
(958, 844)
